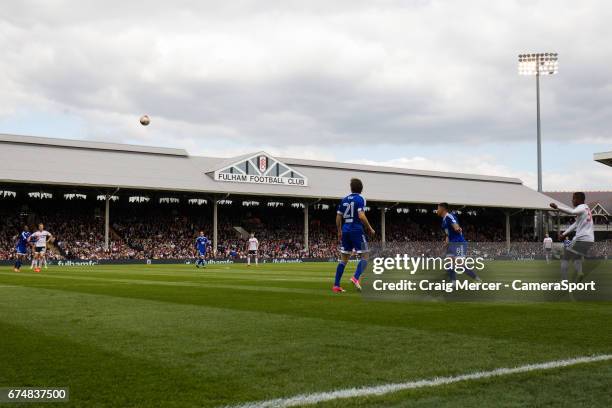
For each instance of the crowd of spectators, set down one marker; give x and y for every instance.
(280, 233)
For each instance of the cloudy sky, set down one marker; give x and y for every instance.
(419, 84)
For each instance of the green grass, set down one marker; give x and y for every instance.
(175, 336)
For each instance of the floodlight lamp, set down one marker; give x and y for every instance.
(538, 64)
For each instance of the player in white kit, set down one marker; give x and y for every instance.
(40, 239)
(252, 248)
(547, 245)
(584, 238)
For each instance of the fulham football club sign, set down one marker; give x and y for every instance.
(260, 168)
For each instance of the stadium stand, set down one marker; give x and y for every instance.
(159, 232)
(120, 202)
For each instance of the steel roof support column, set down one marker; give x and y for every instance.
(106, 222)
(383, 239)
(215, 227)
(108, 196)
(508, 231)
(306, 227)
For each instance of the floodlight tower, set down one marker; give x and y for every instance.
(544, 63)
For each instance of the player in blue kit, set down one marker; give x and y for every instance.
(201, 244)
(22, 247)
(456, 243)
(352, 223)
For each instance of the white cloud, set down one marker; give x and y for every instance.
(401, 71)
(302, 78)
(592, 176)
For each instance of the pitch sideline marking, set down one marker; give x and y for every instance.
(308, 399)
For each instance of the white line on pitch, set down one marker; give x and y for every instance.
(308, 399)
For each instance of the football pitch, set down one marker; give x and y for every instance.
(177, 336)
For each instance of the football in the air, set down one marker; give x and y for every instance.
(145, 120)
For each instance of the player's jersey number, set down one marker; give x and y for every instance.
(349, 211)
